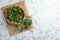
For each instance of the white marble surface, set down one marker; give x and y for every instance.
(46, 19)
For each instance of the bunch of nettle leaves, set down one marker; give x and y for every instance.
(16, 15)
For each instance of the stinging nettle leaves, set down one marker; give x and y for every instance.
(16, 14)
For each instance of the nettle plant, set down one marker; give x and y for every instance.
(16, 15)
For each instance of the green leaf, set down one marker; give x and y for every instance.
(27, 22)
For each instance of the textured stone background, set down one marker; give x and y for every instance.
(46, 19)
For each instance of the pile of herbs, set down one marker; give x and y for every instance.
(16, 14)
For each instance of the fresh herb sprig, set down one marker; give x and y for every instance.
(27, 23)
